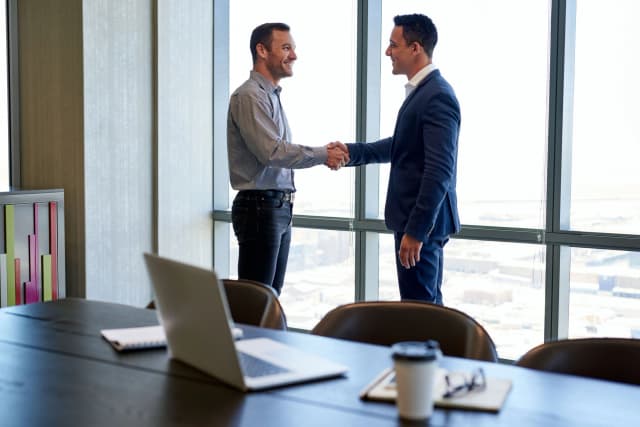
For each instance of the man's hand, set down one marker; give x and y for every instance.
(337, 155)
(409, 252)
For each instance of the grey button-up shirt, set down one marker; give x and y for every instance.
(261, 155)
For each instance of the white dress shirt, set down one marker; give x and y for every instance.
(419, 76)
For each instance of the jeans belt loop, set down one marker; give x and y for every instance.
(288, 196)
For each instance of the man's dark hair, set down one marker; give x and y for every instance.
(418, 28)
(263, 34)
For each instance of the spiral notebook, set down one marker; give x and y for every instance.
(135, 338)
(124, 339)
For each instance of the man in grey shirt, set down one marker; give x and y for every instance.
(261, 159)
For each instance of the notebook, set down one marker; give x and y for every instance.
(143, 337)
(124, 339)
(490, 399)
(192, 308)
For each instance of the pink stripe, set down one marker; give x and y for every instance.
(31, 293)
(31, 287)
(35, 267)
(16, 264)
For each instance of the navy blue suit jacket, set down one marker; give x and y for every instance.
(421, 197)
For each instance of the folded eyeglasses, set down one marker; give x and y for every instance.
(459, 384)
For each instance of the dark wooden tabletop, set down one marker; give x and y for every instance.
(53, 361)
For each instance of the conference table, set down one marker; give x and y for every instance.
(57, 370)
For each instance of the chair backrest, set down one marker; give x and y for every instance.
(388, 322)
(254, 303)
(613, 359)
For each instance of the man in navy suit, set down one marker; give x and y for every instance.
(421, 207)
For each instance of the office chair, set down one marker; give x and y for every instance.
(252, 303)
(388, 322)
(613, 359)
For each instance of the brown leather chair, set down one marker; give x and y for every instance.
(613, 359)
(252, 303)
(388, 322)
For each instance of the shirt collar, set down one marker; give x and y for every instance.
(265, 83)
(417, 78)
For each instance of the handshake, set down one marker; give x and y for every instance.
(337, 155)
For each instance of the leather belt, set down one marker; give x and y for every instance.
(284, 195)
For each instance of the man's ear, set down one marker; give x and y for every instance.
(416, 48)
(261, 50)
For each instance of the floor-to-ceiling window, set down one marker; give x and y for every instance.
(495, 55)
(319, 101)
(603, 190)
(547, 189)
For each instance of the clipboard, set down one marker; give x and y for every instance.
(491, 398)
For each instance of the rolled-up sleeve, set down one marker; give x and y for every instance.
(254, 119)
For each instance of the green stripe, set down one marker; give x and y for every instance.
(9, 224)
(46, 278)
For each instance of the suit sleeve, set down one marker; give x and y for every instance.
(440, 127)
(361, 153)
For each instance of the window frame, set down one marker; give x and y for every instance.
(555, 234)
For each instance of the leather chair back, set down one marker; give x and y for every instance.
(388, 322)
(613, 359)
(254, 303)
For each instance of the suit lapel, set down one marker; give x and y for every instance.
(404, 105)
(424, 81)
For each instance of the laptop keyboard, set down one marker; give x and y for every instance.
(254, 367)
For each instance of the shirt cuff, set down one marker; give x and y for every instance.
(320, 153)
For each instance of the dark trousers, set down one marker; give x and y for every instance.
(262, 224)
(422, 282)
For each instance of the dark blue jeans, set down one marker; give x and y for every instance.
(262, 225)
(422, 282)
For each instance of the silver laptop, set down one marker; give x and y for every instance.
(192, 308)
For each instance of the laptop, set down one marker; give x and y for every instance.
(192, 308)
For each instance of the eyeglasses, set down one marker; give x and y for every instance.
(459, 384)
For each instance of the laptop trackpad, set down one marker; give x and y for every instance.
(256, 367)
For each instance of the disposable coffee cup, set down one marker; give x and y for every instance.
(415, 364)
